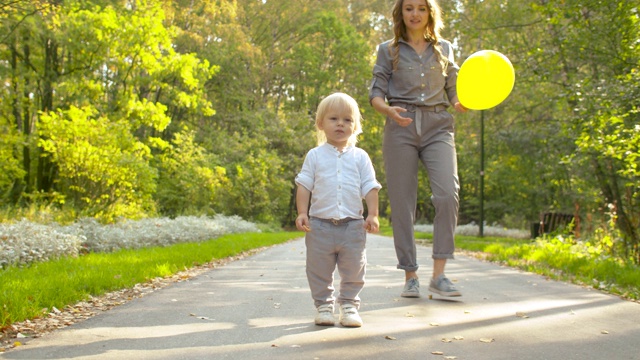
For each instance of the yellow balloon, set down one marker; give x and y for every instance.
(485, 79)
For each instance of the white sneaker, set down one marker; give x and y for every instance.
(349, 316)
(325, 315)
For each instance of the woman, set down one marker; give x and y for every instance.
(414, 82)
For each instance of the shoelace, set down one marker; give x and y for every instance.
(447, 283)
(349, 310)
(413, 283)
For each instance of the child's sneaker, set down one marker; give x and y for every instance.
(325, 315)
(411, 288)
(349, 316)
(443, 286)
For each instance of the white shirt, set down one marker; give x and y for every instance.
(338, 181)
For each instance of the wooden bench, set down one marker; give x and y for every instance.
(551, 222)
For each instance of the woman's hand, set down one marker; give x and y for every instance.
(394, 113)
(460, 108)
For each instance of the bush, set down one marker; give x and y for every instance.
(25, 242)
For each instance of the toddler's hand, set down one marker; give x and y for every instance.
(302, 223)
(372, 225)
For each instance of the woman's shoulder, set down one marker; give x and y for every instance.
(445, 43)
(385, 44)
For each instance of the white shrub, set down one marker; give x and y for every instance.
(25, 242)
(473, 229)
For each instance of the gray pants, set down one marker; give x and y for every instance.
(435, 147)
(341, 245)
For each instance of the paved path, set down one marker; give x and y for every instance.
(260, 308)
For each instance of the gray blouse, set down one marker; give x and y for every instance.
(418, 80)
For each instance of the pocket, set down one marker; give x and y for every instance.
(435, 79)
(404, 76)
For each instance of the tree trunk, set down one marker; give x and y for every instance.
(46, 169)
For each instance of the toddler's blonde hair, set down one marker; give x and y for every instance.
(342, 103)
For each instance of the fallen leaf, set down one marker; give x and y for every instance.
(445, 340)
(487, 340)
(450, 357)
(409, 315)
(389, 337)
(467, 311)
(295, 346)
(274, 345)
(434, 324)
(458, 337)
(437, 353)
(430, 297)
(605, 332)
(520, 314)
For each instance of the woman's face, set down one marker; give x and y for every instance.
(415, 14)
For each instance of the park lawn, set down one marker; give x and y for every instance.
(550, 257)
(33, 291)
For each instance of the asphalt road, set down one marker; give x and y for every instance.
(260, 308)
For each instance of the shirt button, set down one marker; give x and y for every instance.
(423, 86)
(422, 74)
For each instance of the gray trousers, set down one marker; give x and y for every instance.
(435, 148)
(341, 245)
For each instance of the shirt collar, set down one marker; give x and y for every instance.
(335, 150)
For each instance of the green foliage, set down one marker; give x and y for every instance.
(11, 170)
(103, 169)
(245, 78)
(25, 292)
(260, 191)
(189, 181)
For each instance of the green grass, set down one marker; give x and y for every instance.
(560, 261)
(27, 293)
(553, 258)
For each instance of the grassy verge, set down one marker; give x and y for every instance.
(556, 259)
(27, 293)
(560, 261)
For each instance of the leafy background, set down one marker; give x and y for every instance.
(137, 109)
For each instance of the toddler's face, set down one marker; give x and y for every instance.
(338, 127)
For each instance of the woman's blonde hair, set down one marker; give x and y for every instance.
(431, 33)
(342, 103)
